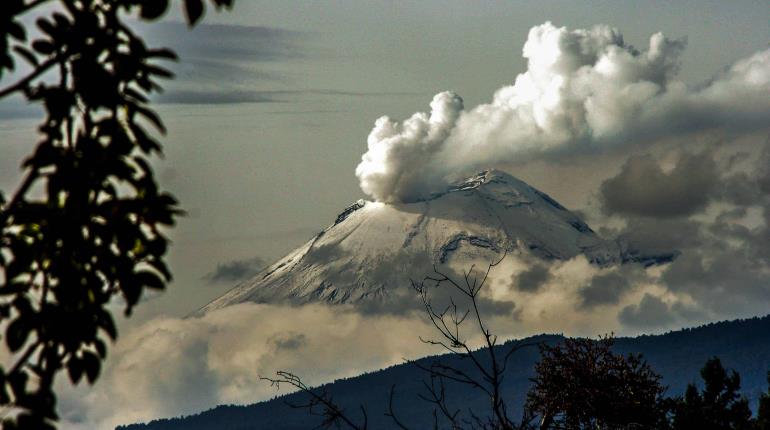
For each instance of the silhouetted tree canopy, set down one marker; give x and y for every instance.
(763, 411)
(86, 224)
(582, 384)
(719, 406)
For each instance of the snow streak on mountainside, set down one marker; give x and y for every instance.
(373, 250)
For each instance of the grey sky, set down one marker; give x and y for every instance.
(271, 117)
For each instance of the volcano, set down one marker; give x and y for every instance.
(373, 250)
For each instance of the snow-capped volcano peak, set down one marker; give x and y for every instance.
(373, 249)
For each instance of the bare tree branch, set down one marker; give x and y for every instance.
(333, 414)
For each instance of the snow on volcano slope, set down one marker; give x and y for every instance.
(373, 249)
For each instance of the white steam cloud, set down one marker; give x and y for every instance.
(583, 90)
(399, 151)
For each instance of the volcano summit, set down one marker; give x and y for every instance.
(373, 249)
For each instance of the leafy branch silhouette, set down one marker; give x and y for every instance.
(88, 221)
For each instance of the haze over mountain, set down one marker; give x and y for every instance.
(373, 250)
(678, 356)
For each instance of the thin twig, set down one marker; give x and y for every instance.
(332, 412)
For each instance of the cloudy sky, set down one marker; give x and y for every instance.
(650, 119)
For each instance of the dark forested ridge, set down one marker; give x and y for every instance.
(743, 345)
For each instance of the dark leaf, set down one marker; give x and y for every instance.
(46, 26)
(159, 71)
(150, 280)
(161, 267)
(18, 382)
(43, 46)
(92, 365)
(131, 291)
(153, 9)
(162, 53)
(75, 369)
(144, 141)
(27, 54)
(194, 11)
(105, 321)
(17, 31)
(61, 20)
(101, 348)
(16, 334)
(152, 117)
(136, 95)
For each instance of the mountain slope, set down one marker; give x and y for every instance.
(678, 356)
(373, 249)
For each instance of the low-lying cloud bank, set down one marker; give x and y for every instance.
(169, 367)
(583, 91)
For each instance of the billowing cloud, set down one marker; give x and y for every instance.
(532, 278)
(651, 312)
(395, 165)
(643, 188)
(723, 270)
(605, 289)
(583, 91)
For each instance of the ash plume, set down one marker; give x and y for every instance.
(584, 90)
